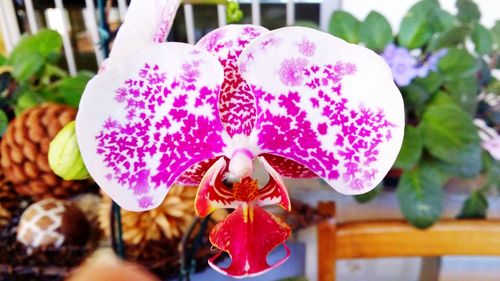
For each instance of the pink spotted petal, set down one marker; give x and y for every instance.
(288, 168)
(144, 122)
(237, 103)
(146, 22)
(274, 193)
(248, 235)
(326, 104)
(212, 193)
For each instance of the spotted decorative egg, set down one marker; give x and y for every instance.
(53, 222)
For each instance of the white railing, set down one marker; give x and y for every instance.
(11, 31)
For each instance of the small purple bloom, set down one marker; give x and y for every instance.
(433, 59)
(402, 64)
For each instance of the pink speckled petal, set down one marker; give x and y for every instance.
(288, 168)
(144, 122)
(237, 103)
(146, 22)
(326, 104)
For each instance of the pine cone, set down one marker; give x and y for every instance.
(24, 151)
(170, 220)
(9, 200)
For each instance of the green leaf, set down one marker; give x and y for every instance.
(468, 11)
(495, 31)
(344, 25)
(414, 31)
(414, 96)
(420, 196)
(375, 32)
(451, 37)
(32, 52)
(411, 151)
(27, 66)
(458, 63)
(464, 170)
(483, 40)
(464, 92)
(441, 98)
(441, 20)
(474, 207)
(4, 122)
(450, 135)
(26, 101)
(71, 88)
(430, 83)
(3, 60)
(370, 195)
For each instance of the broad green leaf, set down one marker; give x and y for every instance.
(375, 32)
(495, 31)
(344, 25)
(370, 195)
(468, 11)
(4, 122)
(26, 66)
(411, 151)
(414, 31)
(441, 20)
(464, 170)
(451, 37)
(71, 88)
(441, 98)
(430, 83)
(474, 207)
(33, 51)
(450, 135)
(464, 92)
(424, 8)
(26, 101)
(458, 63)
(420, 195)
(3, 60)
(414, 96)
(483, 40)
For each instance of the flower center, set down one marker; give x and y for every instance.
(246, 190)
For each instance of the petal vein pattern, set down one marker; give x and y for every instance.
(326, 104)
(161, 120)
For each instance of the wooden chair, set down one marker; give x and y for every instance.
(396, 238)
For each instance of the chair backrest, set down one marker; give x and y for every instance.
(396, 238)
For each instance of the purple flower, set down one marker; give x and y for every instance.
(402, 64)
(433, 59)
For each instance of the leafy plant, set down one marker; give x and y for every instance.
(446, 86)
(31, 75)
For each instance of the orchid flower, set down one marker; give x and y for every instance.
(302, 102)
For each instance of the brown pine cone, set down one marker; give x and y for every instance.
(168, 221)
(24, 151)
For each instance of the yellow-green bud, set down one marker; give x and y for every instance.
(64, 155)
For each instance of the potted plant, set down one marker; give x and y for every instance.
(443, 65)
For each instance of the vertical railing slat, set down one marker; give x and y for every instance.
(290, 12)
(8, 23)
(221, 14)
(256, 12)
(122, 8)
(189, 17)
(90, 19)
(30, 11)
(68, 48)
(325, 11)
